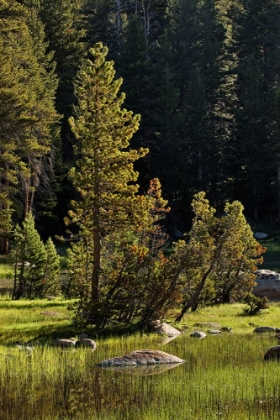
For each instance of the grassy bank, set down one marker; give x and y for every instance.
(41, 320)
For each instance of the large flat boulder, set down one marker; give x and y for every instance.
(144, 370)
(141, 358)
(267, 284)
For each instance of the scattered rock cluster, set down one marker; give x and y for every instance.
(69, 342)
(146, 357)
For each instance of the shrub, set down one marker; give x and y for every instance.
(255, 304)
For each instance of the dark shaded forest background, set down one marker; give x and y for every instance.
(203, 75)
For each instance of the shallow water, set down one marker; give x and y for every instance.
(223, 377)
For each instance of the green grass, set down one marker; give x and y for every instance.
(33, 320)
(6, 271)
(272, 255)
(223, 376)
(272, 243)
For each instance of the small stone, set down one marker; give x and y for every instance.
(260, 235)
(226, 329)
(85, 342)
(64, 342)
(214, 332)
(198, 334)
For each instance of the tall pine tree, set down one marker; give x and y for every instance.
(103, 176)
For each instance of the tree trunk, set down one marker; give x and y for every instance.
(96, 267)
(193, 301)
(278, 179)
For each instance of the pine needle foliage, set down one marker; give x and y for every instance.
(37, 266)
(103, 175)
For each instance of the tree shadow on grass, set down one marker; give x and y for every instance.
(43, 335)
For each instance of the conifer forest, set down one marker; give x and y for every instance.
(125, 123)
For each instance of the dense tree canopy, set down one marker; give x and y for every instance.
(203, 75)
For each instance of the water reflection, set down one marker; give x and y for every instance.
(143, 370)
(167, 340)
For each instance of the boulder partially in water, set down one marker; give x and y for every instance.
(85, 342)
(64, 342)
(266, 329)
(165, 329)
(144, 370)
(141, 358)
(273, 353)
(198, 334)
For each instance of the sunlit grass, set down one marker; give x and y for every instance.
(223, 376)
(6, 271)
(29, 320)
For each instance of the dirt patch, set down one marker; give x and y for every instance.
(50, 313)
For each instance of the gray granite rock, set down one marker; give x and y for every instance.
(141, 358)
(165, 329)
(267, 284)
(85, 342)
(198, 334)
(272, 353)
(266, 329)
(260, 235)
(64, 342)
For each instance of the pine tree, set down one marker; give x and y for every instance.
(64, 35)
(222, 250)
(29, 98)
(193, 44)
(51, 285)
(104, 176)
(30, 259)
(240, 256)
(256, 168)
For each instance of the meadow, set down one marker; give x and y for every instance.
(223, 377)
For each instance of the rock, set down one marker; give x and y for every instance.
(207, 325)
(83, 335)
(64, 342)
(198, 334)
(214, 332)
(260, 235)
(144, 370)
(272, 353)
(167, 339)
(50, 313)
(267, 284)
(141, 358)
(27, 349)
(177, 233)
(266, 329)
(226, 329)
(85, 342)
(166, 329)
